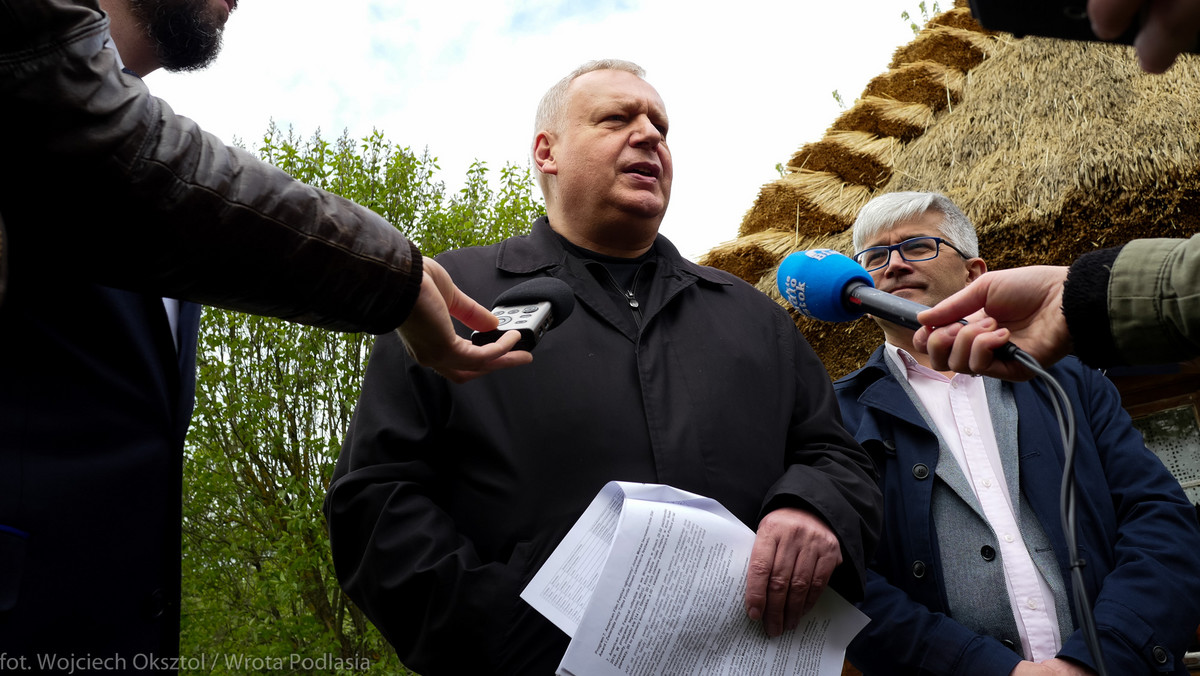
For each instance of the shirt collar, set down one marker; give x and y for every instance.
(912, 368)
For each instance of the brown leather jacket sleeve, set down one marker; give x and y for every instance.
(103, 180)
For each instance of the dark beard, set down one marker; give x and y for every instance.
(186, 33)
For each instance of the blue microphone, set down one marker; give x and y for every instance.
(827, 285)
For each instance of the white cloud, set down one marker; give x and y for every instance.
(745, 83)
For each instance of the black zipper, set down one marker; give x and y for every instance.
(629, 294)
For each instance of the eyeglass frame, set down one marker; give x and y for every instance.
(937, 251)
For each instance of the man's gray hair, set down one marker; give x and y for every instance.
(553, 105)
(552, 109)
(885, 211)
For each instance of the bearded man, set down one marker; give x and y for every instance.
(120, 217)
(91, 451)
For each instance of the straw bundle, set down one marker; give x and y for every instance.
(960, 16)
(855, 156)
(809, 202)
(767, 281)
(933, 84)
(753, 256)
(962, 47)
(886, 117)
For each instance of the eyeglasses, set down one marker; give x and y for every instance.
(912, 250)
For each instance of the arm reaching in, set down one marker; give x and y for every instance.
(1168, 27)
(793, 558)
(429, 335)
(1023, 305)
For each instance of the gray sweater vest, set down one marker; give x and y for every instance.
(976, 592)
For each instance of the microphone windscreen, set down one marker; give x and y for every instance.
(560, 295)
(814, 283)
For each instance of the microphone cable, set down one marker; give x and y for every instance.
(1066, 427)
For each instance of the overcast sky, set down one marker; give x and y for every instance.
(746, 83)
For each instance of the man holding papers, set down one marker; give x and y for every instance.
(651, 580)
(448, 498)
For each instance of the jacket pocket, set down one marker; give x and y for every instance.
(12, 564)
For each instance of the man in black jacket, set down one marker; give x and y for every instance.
(447, 499)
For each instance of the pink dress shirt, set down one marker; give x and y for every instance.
(958, 407)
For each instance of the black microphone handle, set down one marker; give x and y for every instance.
(860, 297)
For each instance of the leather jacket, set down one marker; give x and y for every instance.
(144, 200)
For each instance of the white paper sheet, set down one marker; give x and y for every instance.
(651, 580)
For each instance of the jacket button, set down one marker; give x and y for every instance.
(987, 552)
(1008, 643)
(918, 569)
(921, 470)
(889, 444)
(1160, 654)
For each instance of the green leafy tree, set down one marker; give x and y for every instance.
(273, 400)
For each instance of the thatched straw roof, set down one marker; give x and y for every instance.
(1052, 148)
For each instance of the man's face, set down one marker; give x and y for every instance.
(611, 158)
(926, 282)
(186, 33)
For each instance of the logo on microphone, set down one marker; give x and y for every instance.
(815, 283)
(794, 291)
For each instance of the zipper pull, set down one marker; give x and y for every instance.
(633, 302)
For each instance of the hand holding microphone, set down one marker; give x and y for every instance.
(428, 332)
(825, 284)
(530, 308)
(1023, 304)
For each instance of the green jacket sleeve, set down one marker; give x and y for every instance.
(1139, 304)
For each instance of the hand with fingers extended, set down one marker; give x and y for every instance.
(1168, 27)
(1022, 305)
(794, 556)
(429, 335)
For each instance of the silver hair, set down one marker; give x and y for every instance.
(552, 109)
(885, 211)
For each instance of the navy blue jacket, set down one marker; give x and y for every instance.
(1137, 532)
(94, 405)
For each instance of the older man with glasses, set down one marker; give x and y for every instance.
(971, 575)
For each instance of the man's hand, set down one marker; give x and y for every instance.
(428, 333)
(1051, 667)
(1023, 305)
(1168, 27)
(793, 558)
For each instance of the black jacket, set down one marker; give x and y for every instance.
(447, 498)
(111, 202)
(105, 182)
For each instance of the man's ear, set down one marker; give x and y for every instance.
(543, 153)
(975, 268)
